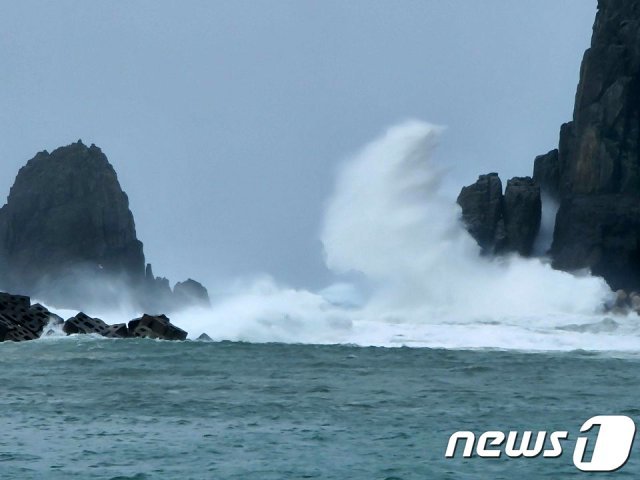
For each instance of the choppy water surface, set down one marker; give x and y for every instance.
(95, 408)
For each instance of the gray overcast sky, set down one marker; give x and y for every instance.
(225, 119)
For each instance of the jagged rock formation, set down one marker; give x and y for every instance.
(68, 236)
(66, 214)
(502, 223)
(594, 173)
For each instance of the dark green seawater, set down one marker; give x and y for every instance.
(84, 408)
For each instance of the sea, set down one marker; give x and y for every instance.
(83, 407)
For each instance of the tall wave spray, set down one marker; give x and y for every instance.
(389, 220)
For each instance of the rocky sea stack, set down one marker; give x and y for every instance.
(593, 175)
(68, 237)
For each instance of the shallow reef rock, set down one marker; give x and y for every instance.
(594, 173)
(502, 223)
(67, 236)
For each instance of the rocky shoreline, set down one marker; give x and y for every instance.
(21, 321)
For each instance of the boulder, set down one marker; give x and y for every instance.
(157, 327)
(522, 214)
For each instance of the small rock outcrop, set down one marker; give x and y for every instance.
(502, 223)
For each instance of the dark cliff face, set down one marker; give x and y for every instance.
(599, 149)
(66, 212)
(602, 233)
(602, 143)
(597, 173)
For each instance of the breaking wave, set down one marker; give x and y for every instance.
(420, 280)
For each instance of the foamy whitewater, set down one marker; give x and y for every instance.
(421, 280)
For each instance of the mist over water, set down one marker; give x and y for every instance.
(421, 279)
